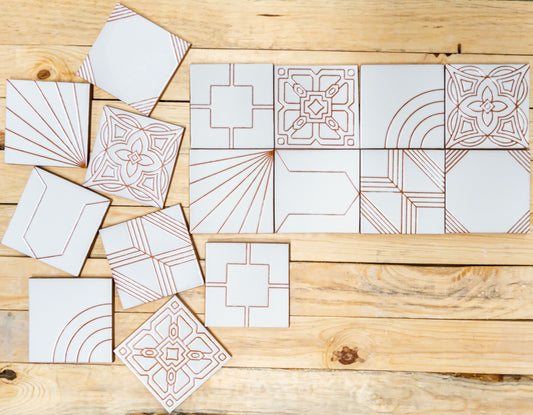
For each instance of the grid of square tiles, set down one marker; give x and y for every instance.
(419, 149)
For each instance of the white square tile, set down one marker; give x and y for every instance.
(487, 191)
(70, 320)
(316, 107)
(402, 106)
(487, 106)
(231, 191)
(172, 354)
(247, 285)
(317, 191)
(151, 256)
(133, 59)
(134, 156)
(47, 123)
(402, 191)
(232, 106)
(55, 221)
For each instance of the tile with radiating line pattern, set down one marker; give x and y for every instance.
(133, 59)
(70, 320)
(231, 191)
(402, 191)
(47, 123)
(487, 191)
(151, 256)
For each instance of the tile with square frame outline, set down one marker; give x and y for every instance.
(151, 256)
(402, 106)
(488, 191)
(247, 285)
(70, 320)
(487, 106)
(316, 191)
(316, 107)
(402, 191)
(55, 221)
(232, 105)
(133, 59)
(47, 123)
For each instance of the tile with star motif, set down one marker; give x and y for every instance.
(487, 106)
(133, 156)
(172, 354)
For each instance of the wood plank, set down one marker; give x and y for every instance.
(60, 63)
(404, 25)
(113, 390)
(344, 290)
(415, 345)
(457, 249)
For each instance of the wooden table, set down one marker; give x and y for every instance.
(379, 324)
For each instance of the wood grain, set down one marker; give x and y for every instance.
(403, 26)
(55, 389)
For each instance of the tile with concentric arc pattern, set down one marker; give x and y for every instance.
(172, 354)
(133, 156)
(402, 106)
(231, 191)
(133, 59)
(47, 123)
(70, 320)
(151, 256)
(487, 106)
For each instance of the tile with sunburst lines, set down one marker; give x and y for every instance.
(231, 191)
(47, 123)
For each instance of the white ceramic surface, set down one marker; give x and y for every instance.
(402, 191)
(56, 221)
(151, 256)
(47, 123)
(247, 285)
(172, 354)
(70, 320)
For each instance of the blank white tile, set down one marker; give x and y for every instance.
(231, 191)
(133, 59)
(402, 191)
(151, 256)
(172, 354)
(247, 285)
(316, 107)
(402, 106)
(133, 157)
(317, 191)
(232, 105)
(47, 123)
(487, 191)
(70, 320)
(55, 221)
(487, 106)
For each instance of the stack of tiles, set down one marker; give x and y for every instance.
(436, 149)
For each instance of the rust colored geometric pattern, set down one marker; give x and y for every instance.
(70, 320)
(402, 106)
(133, 59)
(47, 123)
(232, 106)
(134, 157)
(317, 191)
(172, 354)
(231, 191)
(316, 107)
(487, 191)
(402, 191)
(55, 221)
(247, 285)
(487, 106)
(151, 256)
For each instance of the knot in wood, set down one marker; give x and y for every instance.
(346, 356)
(43, 74)
(8, 374)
